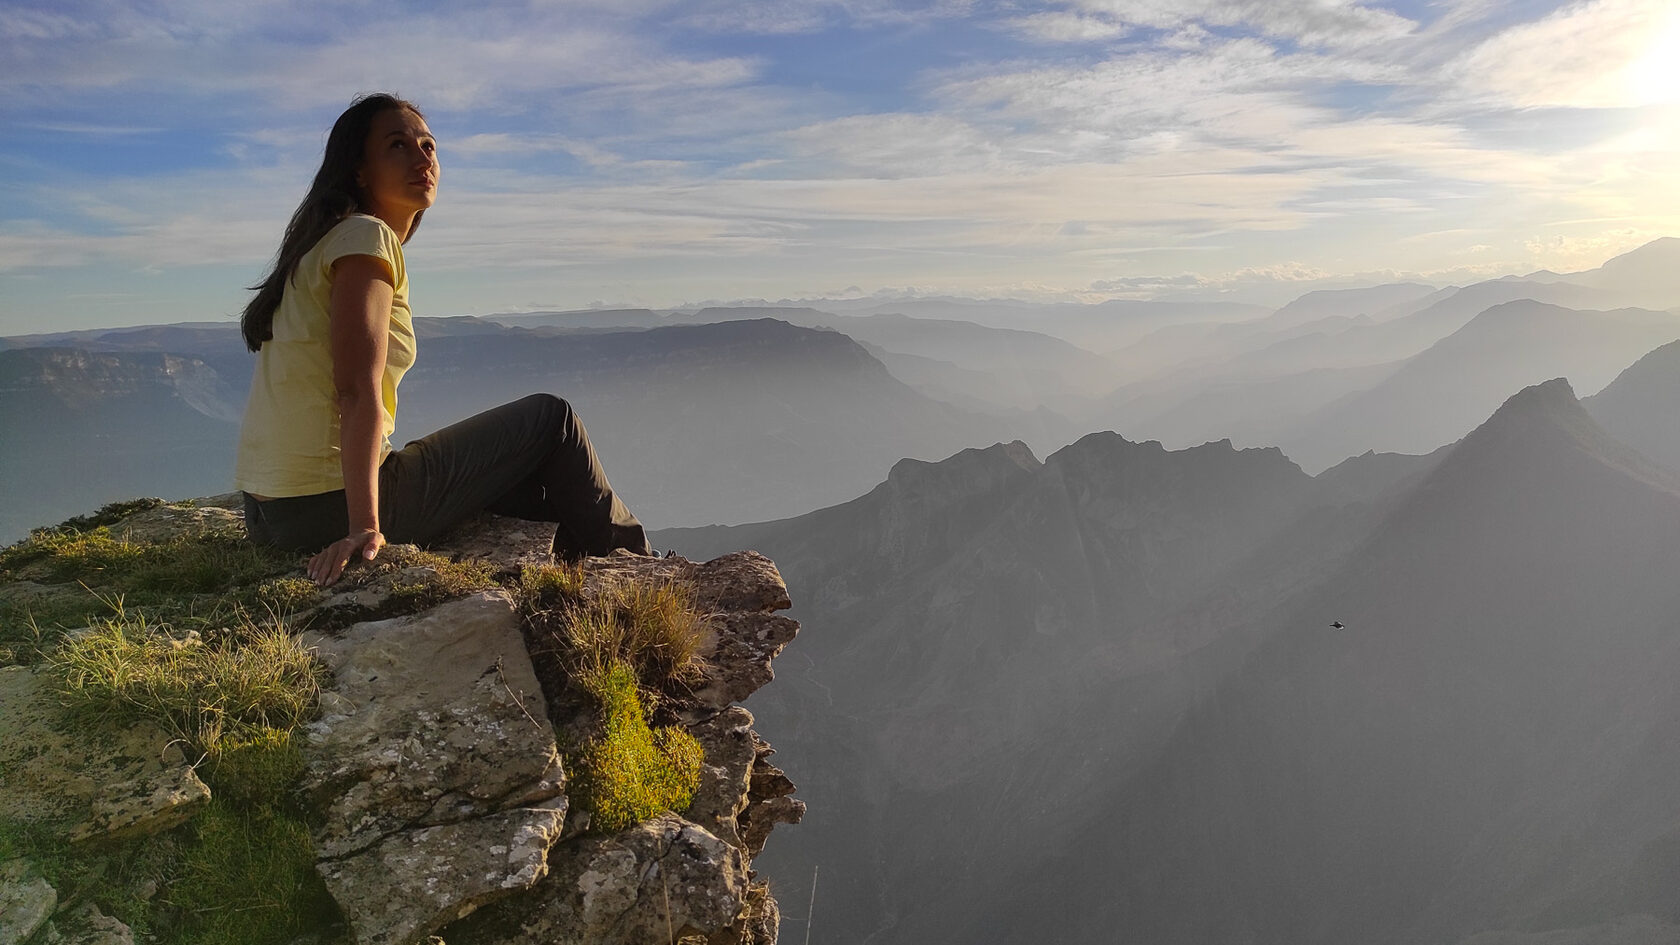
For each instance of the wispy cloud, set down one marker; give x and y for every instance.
(1598, 54)
(1097, 145)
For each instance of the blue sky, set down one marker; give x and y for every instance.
(658, 152)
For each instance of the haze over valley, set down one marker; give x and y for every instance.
(1062, 676)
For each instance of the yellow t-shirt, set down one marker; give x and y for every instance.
(288, 442)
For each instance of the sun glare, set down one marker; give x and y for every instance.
(1654, 78)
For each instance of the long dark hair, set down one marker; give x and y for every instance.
(333, 196)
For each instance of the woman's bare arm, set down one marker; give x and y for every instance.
(360, 317)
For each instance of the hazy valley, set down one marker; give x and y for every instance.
(1068, 577)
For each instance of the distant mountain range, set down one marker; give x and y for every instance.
(1329, 375)
(82, 428)
(1389, 367)
(1101, 697)
(695, 423)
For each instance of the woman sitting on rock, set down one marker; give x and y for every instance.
(333, 336)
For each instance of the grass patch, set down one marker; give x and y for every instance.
(631, 771)
(549, 587)
(248, 876)
(256, 769)
(126, 669)
(204, 563)
(206, 582)
(109, 514)
(652, 629)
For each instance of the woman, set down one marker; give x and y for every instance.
(333, 336)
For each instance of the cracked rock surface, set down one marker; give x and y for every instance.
(112, 784)
(434, 766)
(26, 901)
(659, 881)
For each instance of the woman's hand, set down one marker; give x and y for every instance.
(328, 565)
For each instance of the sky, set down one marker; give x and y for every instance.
(669, 152)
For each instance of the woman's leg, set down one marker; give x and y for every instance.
(531, 458)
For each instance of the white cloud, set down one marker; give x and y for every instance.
(1308, 22)
(1596, 54)
(1066, 27)
(897, 145)
(785, 17)
(483, 58)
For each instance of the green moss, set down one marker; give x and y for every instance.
(631, 772)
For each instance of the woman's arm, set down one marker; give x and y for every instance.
(360, 319)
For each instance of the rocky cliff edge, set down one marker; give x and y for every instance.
(435, 777)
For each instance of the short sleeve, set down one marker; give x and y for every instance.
(359, 235)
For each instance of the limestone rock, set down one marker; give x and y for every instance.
(431, 767)
(767, 803)
(128, 780)
(728, 742)
(26, 901)
(217, 513)
(412, 883)
(144, 806)
(659, 881)
(86, 925)
(744, 581)
(435, 718)
(509, 542)
(737, 651)
(738, 592)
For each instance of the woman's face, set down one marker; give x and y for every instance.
(399, 171)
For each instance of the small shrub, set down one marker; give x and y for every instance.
(654, 630)
(631, 772)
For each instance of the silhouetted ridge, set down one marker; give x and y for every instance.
(1107, 457)
(1659, 257)
(1546, 422)
(1638, 407)
(967, 471)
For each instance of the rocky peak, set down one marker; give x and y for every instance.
(966, 473)
(1547, 418)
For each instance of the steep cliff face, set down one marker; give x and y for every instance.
(439, 773)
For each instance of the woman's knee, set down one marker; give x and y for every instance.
(547, 405)
(556, 415)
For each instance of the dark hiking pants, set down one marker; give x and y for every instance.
(530, 459)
